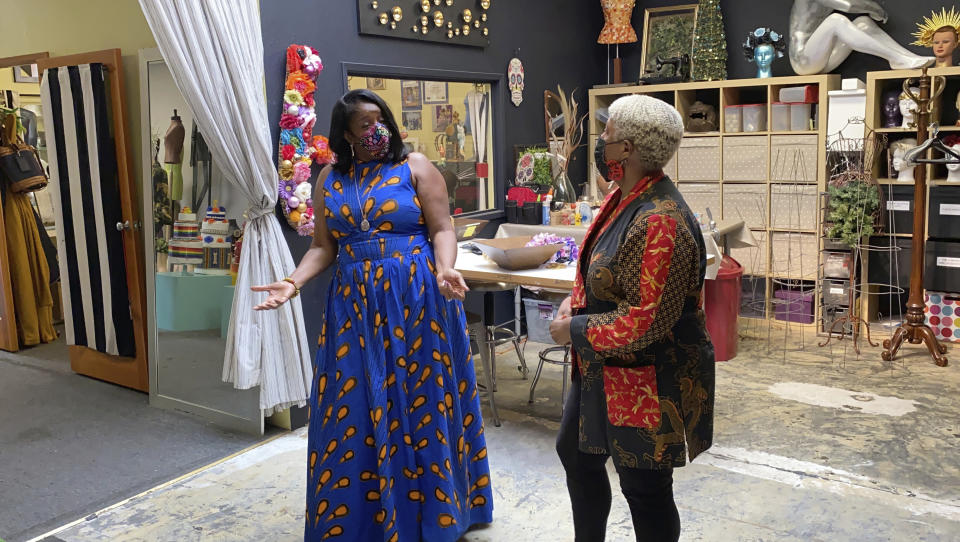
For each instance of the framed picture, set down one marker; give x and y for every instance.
(442, 117)
(26, 73)
(376, 83)
(412, 94)
(667, 32)
(434, 92)
(413, 120)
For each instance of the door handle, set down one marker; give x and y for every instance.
(123, 225)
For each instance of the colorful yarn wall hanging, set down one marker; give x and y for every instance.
(299, 148)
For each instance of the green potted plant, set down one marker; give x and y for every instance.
(853, 210)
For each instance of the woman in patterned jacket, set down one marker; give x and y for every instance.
(644, 365)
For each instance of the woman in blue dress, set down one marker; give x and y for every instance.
(396, 447)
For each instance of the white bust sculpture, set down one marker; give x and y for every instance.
(900, 148)
(908, 108)
(953, 170)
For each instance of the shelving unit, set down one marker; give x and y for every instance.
(877, 305)
(733, 191)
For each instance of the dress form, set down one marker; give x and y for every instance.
(617, 30)
(173, 155)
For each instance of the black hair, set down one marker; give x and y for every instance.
(343, 111)
(764, 36)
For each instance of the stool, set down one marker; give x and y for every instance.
(503, 330)
(545, 358)
(479, 332)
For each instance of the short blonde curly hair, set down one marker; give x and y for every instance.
(654, 126)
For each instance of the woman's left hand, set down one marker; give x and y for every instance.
(451, 284)
(560, 330)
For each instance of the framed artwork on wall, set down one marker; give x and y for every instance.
(413, 120)
(411, 94)
(442, 117)
(667, 32)
(435, 92)
(26, 73)
(376, 83)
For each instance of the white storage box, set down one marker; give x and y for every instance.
(836, 265)
(800, 117)
(794, 255)
(747, 202)
(699, 159)
(804, 94)
(781, 117)
(755, 118)
(793, 206)
(701, 196)
(753, 259)
(795, 158)
(539, 314)
(745, 158)
(733, 118)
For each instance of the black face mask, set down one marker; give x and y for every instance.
(611, 170)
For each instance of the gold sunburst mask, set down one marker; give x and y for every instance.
(936, 21)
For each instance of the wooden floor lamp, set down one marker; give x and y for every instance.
(915, 330)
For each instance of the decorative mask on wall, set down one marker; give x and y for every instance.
(702, 117)
(515, 75)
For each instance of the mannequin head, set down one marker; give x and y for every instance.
(763, 46)
(908, 108)
(953, 170)
(891, 109)
(899, 149)
(944, 44)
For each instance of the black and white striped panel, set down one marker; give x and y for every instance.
(83, 175)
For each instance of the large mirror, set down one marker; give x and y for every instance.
(450, 123)
(191, 217)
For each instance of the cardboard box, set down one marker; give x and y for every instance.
(699, 159)
(745, 158)
(747, 202)
(795, 158)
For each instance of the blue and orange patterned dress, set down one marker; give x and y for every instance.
(396, 446)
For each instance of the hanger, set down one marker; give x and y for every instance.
(914, 156)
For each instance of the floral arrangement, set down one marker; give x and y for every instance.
(299, 148)
(569, 253)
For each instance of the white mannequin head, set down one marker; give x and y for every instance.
(953, 170)
(908, 108)
(899, 149)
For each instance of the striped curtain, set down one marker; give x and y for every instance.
(86, 194)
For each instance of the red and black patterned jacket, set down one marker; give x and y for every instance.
(642, 353)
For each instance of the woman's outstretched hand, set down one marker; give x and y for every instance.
(279, 291)
(451, 284)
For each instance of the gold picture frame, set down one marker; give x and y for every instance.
(660, 29)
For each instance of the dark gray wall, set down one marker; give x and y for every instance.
(557, 46)
(743, 16)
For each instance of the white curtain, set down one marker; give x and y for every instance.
(214, 50)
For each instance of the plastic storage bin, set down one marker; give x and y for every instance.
(942, 273)
(836, 292)
(806, 94)
(539, 313)
(943, 217)
(754, 118)
(721, 304)
(780, 122)
(800, 115)
(794, 306)
(733, 118)
(837, 264)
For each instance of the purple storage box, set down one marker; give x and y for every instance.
(797, 308)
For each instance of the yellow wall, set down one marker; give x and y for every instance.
(65, 27)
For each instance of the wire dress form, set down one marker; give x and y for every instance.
(850, 162)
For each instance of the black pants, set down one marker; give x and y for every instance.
(648, 492)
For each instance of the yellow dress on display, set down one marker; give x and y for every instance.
(29, 273)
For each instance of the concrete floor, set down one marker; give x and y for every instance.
(70, 445)
(811, 445)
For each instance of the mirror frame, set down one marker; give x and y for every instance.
(498, 93)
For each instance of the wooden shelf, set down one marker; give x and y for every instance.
(739, 92)
(896, 130)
